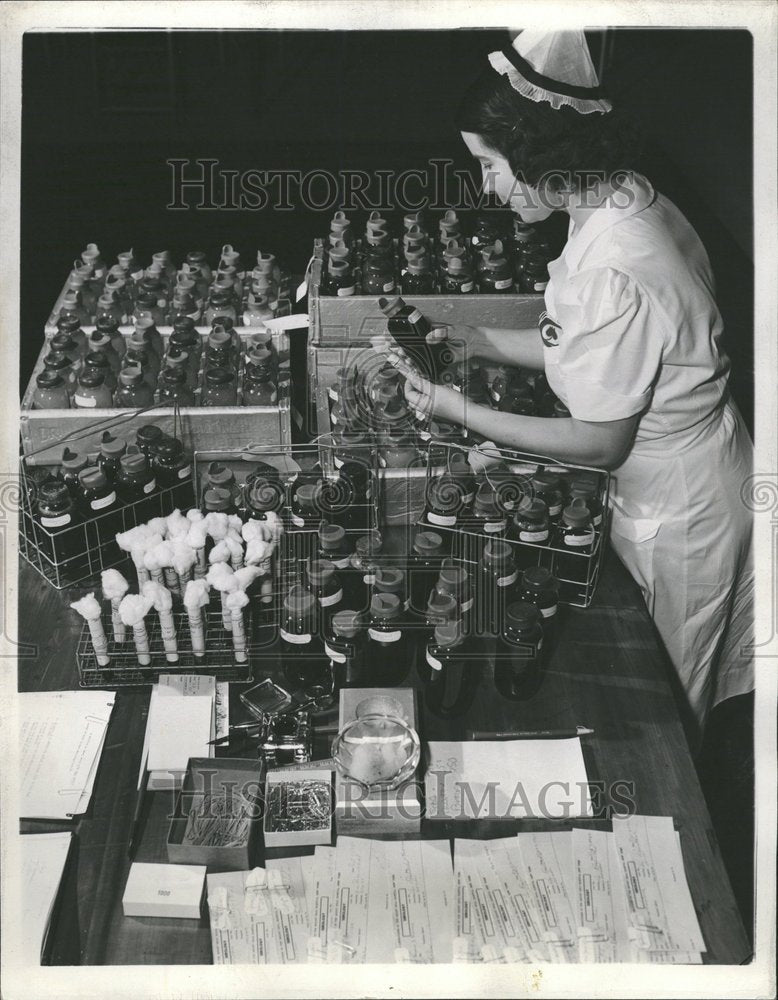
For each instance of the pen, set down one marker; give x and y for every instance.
(541, 734)
(244, 729)
(136, 816)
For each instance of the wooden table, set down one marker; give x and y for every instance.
(608, 672)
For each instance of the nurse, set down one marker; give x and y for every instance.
(630, 341)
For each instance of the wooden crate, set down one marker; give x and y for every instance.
(354, 319)
(207, 428)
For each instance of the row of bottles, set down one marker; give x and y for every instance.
(103, 369)
(164, 292)
(424, 260)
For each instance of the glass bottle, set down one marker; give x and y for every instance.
(198, 259)
(171, 464)
(305, 667)
(99, 502)
(219, 500)
(324, 583)
(530, 527)
(97, 361)
(333, 545)
(221, 388)
(457, 277)
(496, 578)
(92, 392)
(111, 450)
(141, 346)
(378, 277)
(358, 582)
(140, 358)
(50, 392)
(262, 493)
(575, 537)
(496, 277)
(146, 328)
(72, 463)
(488, 516)
(340, 280)
(176, 357)
(174, 388)
(539, 588)
(448, 673)
(71, 326)
(110, 329)
(147, 306)
(109, 308)
(186, 337)
(135, 480)
(304, 513)
(424, 563)
(345, 643)
(148, 438)
(386, 651)
(218, 475)
(391, 580)
(456, 582)
(409, 327)
(58, 535)
(66, 367)
(519, 657)
(259, 385)
(547, 486)
(220, 350)
(63, 343)
(588, 490)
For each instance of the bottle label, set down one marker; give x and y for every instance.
(433, 662)
(185, 473)
(369, 579)
(332, 392)
(492, 527)
(578, 541)
(540, 286)
(503, 283)
(297, 520)
(150, 485)
(55, 522)
(414, 317)
(84, 400)
(466, 605)
(298, 640)
(457, 388)
(425, 435)
(384, 636)
(548, 612)
(103, 502)
(506, 581)
(467, 286)
(597, 520)
(382, 461)
(445, 520)
(333, 654)
(533, 536)
(327, 602)
(333, 421)
(468, 497)
(389, 286)
(555, 509)
(338, 462)
(346, 291)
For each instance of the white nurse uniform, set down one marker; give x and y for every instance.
(631, 327)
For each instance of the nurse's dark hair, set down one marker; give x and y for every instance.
(540, 141)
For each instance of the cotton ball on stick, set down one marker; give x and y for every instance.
(195, 599)
(235, 544)
(114, 588)
(236, 602)
(162, 600)
(217, 525)
(133, 609)
(194, 515)
(158, 526)
(184, 558)
(177, 524)
(89, 608)
(196, 538)
(221, 577)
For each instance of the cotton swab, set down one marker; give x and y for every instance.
(195, 599)
(221, 577)
(184, 558)
(236, 602)
(114, 588)
(196, 539)
(133, 609)
(89, 608)
(162, 601)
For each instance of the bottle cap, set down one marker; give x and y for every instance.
(92, 479)
(389, 307)
(170, 448)
(560, 410)
(215, 498)
(546, 481)
(133, 463)
(49, 379)
(448, 633)
(96, 359)
(73, 461)
(538, 578)
(57, 360)
(176, 355)
(113, 446)
(389, 580)
(300, 602)
(531, 509)
(441, 606)
(68, 324)
(456, 265)
(53, 491)
(219, 337)
(91, 377)
(452, 579)
(369, 544)
(385, 606)
(411, 219)
(583, 488)
(184, 327)
(346, 623)
(497, 550)
(320, 571)
(485, 500)
(218, 376)
(149, 435)
(418, 265)
(521, 615)
(220, 475)
(427, 542)
(577, 514)
(196, 257)
(338, 268)
(306, 495)
(107, 325)
(63, 343)
(173, 375)
(331, 536)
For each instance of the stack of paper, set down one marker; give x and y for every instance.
(44, 856)
(576, 896)
(62, 737)
(363, 901)
(180, 725)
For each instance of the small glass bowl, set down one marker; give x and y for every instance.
(377, 751)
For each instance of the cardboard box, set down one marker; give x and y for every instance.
(164, 891)
(217, 775)
(321, 833)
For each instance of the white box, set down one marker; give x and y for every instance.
(164, 891)
(321, 834)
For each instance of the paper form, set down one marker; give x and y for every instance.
(291, 920)
(179, 728)
(188, 684)
(349, 928)
(62, 734)
(509, 779)
(320, 891)
(598, 895)
(44, 856)
(546, 875)
(660, 911)
(415, 911)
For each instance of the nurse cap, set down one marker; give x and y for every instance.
(554, 67)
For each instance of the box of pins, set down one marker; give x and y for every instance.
(217, 816)
(298, 808)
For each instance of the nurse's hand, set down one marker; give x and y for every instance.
(432, 400)
(461, 340)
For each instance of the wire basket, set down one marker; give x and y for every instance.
(576, 572)
(124, 670)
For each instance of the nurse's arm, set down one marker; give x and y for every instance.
(517, 348)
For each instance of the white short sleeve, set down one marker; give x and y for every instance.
(607, 351)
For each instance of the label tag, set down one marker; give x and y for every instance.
(345, 291)
(327, 602)
(338, 462)
(433, 662)
(84, 400)
(533, 536)
(389, 286)
(384, 636)
(333, 654)
(297, 640)
(369, 579)
(540, 286)
(297, 520)
(466, 287)
(103, 502)
(578, 541)
(503, 283)
(506, 581)
(55, 522)
(150, 485)
(555, 509)
(415, 316)
(548, 612)
(466, 605)
(302, 290)
(445, 520)
(185, 473)
(492, 527)
(332, 392)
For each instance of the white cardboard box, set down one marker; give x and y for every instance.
(164, 891)
(297, 838)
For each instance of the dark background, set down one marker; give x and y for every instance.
(103, 112)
